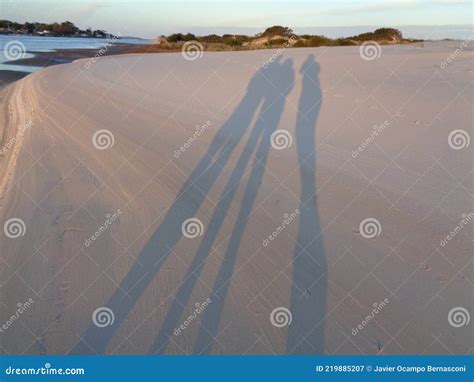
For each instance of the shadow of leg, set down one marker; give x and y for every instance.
(186, 204)
(308, 294)
(185, 290)
(281, 75)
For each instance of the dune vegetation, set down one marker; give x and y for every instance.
(273, 37)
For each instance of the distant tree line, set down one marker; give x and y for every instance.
(65, 28)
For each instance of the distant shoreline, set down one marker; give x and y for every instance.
(64, 56)
(56, 57)
(63, 29)
(72, 36)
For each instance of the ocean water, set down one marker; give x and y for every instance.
(17, 46)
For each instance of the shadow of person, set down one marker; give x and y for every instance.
(187, 202)
(282, 77)
(309, 281)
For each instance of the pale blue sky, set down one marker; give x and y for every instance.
(149, 18)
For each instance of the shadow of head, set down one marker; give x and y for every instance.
(310, 66)
(275, 79)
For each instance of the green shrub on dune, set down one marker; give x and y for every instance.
(273, 37)
(179, 37)
(381, 34)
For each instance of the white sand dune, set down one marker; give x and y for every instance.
(137, 193)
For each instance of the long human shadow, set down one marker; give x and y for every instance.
(309, 280)
(283, 78)
(187, 202)
(280, 78)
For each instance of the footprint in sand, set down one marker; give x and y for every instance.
(64, 286)
(426, 267)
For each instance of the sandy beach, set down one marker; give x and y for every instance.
(322, 188)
